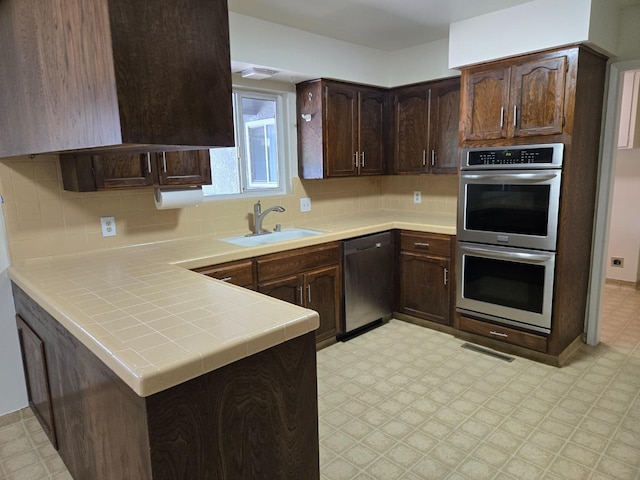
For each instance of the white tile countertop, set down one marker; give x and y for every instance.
(157, 324)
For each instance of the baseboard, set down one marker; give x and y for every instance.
(622, 283)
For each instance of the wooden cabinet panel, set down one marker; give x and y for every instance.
(239, 273)
(445, 128)
(88, 173)
(37, 377)
(486, 96)
(293, 262)
(123, 170)
(343, 131)
(411, 130)
(373, 132)
(340, 130)
(522, 97)
(187, 167)
(504, 334)
(289, 289)
(426, 243)
(115, 75)
(323, 289)
(538, 97)
(425, 289)
(426, 127)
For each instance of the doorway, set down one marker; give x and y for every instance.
(600, 258)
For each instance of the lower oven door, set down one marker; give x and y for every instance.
(508, 285)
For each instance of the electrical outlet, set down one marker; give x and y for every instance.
(617, 262)
(305, 204)
(108, 226)
(417, 197)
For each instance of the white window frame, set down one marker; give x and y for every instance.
(284, 181)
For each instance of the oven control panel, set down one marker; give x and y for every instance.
(520, 156)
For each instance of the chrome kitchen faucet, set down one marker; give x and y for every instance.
(258, 217)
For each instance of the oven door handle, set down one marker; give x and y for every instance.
(513, 177)
(528, 257)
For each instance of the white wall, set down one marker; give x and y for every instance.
(13, 395)
(624, 231)
(529, 27)
(629, 39)
(428, 61)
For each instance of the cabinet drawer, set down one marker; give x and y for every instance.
(432, 243)
(238, 273)
(504, 334)
(296, 261)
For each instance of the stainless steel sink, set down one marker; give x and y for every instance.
(274, 237)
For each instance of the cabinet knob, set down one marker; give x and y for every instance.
(501, 117)
(424, 157)
(362, 161)
(148, 162)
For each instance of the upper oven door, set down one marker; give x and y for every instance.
(503, 207)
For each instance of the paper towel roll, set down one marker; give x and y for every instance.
(170, 198)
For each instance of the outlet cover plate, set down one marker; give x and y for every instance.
(108, 226)
(305, 204)
(417, 197)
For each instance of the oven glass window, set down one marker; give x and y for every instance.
(510, 284)
(518, 209)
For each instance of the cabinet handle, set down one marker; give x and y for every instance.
(164, 162)
(498, 334)
(433, 157)
(301, 297)
(355, 161)
(446, 276)
(421, 244)
(149, 162)
(225, 279)
(362, 162)
(309, 294)
(515, 115)
(501, 117)
(424, 157)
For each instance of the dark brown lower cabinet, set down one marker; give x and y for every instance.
(37, 377)
(318, 289)
(310, 277)
(255, 418)
(426, 277)
(425, 289)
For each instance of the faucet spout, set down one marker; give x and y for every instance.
(258, 216)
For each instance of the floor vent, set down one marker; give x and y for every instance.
(486, 351)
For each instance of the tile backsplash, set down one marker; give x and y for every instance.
(42, 219)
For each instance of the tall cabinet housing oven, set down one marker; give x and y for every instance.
(530, 133)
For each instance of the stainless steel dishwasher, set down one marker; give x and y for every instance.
(368, 281)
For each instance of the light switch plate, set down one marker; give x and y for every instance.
(305, 204)
(108, 226)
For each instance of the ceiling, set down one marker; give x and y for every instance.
(387, 25)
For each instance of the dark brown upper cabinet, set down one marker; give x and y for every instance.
(80, 75)
(426, 127)
(523, 97)
(88, 173)
(342, 129)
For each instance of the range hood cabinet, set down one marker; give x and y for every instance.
(114, 74)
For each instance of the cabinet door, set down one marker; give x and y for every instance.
(537, 97)
(290, 289)
(37, 377)
(372, 118)
(411, 130)
(444, 114)
(323, 294)
(123, 170)
(425, 287)
(237, 273)
(187, 167)
(340, 130)
(485, 100)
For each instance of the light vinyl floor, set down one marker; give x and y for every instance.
(403, 402)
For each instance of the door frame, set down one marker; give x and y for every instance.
(606, 180)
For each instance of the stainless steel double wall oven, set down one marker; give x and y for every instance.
(507, 233)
